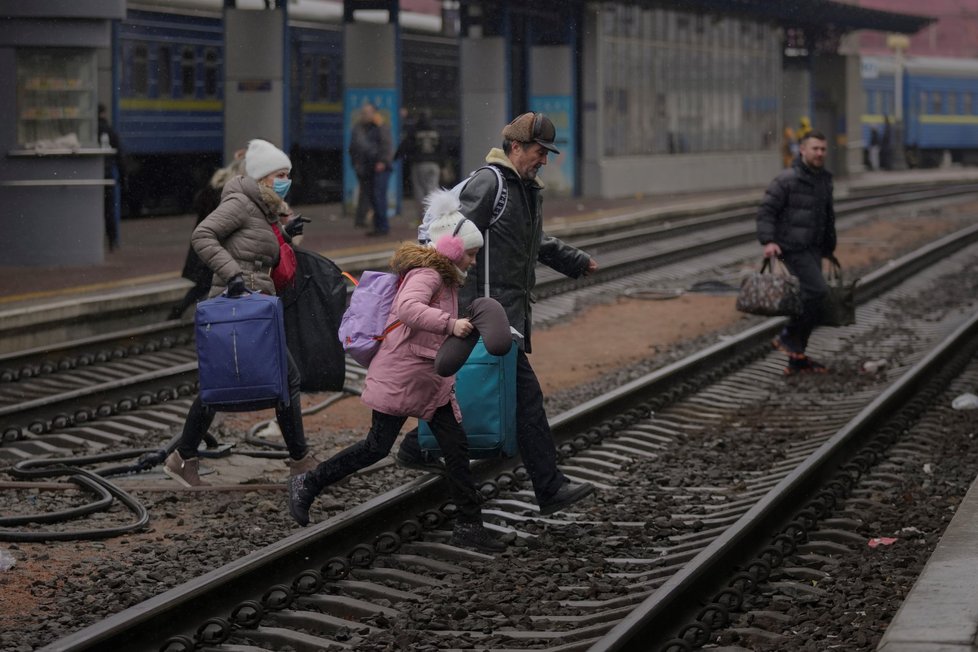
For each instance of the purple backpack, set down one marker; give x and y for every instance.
(364, 323)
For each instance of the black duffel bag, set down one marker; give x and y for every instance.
(839, 306)
(313, 307)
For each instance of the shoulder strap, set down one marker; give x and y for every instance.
(498, 206)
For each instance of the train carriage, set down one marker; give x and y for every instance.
(170, 97)
(939, 102)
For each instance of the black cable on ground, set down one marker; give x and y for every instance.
(84, 479)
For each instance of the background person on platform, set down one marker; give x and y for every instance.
(516, 243)
(421, 148)
(370, 154)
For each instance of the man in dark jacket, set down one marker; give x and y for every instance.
(796, 222)
(370, 154)
(515, 243)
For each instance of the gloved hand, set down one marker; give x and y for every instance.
(295, 227)
(236, 286)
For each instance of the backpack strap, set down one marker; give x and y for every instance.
(498, 206)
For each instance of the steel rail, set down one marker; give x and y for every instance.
(684, 592)
(144, 625)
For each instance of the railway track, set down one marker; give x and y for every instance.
(49, 390)
(621, 575)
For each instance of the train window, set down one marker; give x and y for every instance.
(188, 76)
(210, 72)
(140, 71)
(967, 103)
(923, 102)
(164, 74)
(323, 79)
(305, 88)
(936, 102)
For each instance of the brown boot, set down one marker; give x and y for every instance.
(184, 471)
(308, 463)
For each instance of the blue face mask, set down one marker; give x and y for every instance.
(281, 186)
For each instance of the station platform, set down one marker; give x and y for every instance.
(39, 305)
(940, 614)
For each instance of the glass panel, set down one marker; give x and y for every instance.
(140, 71)
(164, 78)
(56, 98)
(210, 72)
(188, 76)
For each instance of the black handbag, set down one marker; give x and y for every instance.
(839, 306)
(770, 292)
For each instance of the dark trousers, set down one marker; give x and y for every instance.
(289, 418)
(365, 198)
(379, 201)
(199, 291)
(807, 266)
(535, 441)
(384, 429)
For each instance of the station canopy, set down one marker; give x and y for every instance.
(815, 15)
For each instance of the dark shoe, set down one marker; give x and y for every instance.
(476, 536)
(804, 365)
(300, 499)
(418, 464)
(566, 496)
(783, 343)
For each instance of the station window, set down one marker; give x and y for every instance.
(211, 72)
(188, 76)
(139, 82)
(324, 80)
(164, 72)
(678, 83)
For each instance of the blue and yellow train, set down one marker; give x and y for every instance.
(170, 89)
(939, 98)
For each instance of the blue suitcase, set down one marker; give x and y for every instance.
(485, 387)
(241, 354)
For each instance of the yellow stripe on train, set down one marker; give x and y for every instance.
(168, 104)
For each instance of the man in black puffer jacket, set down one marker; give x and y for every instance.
(515, 242)
(796, 222)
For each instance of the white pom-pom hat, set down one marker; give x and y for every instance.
(451, 234)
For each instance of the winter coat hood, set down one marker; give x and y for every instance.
(410, 256)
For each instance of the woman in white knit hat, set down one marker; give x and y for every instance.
(401, 379)
(241, 241)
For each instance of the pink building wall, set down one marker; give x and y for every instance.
(955, 34)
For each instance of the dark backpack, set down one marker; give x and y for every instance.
(313, 309)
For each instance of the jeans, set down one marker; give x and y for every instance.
(365, 198)
(807, 266)
(384, 429)
(424, 179)
(379, 201)
(289, 418)
(533, 436)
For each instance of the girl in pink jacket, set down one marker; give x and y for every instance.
(402, 381)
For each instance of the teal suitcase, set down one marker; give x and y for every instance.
(485, 387)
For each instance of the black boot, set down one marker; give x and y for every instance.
(300, 499)
(475, 535)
